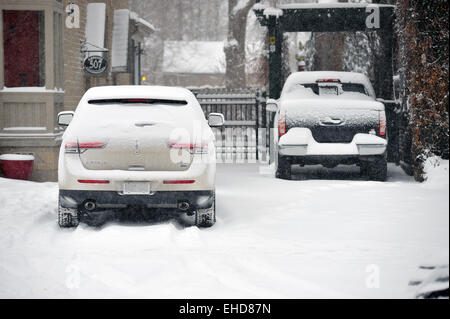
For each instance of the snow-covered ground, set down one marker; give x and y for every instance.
(326, 234)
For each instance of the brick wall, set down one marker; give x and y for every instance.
(76, 81)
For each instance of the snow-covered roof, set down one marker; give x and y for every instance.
(273, 12)
(142, 24)
(197, 57)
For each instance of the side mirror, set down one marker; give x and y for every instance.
(216, 119)
(271, 105)
(64, 118)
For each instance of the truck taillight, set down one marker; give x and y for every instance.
(328, 81)
(78, 148)
(382, 120)
(281, 125)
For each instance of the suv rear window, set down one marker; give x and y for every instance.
(346, 87)
(138, 101)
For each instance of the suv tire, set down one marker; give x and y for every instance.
(205, 217)
(67, 217)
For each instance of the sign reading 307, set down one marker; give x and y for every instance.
(95, 64)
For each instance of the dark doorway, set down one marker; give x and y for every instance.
(23, 43)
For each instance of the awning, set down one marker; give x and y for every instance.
(143, 28)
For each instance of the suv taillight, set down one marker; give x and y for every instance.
(78, 148)
(382, 120)
(281, 125)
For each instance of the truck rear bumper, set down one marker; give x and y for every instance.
(300, 142)
(330, 150)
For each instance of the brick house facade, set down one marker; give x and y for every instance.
(52, 79)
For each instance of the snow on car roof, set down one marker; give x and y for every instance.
(139, 91)
(323, 5)
(328, 4)
(344, 77)
(95, 116)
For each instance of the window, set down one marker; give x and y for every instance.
(23, 43)
(346, 87)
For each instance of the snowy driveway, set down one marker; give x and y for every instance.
(337, 236)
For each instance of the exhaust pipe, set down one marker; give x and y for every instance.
(90, 205)
(184, 206)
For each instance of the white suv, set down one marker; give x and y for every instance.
(149, 146)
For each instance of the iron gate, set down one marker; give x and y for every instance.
(243, 137)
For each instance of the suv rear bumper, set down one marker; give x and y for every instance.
(160, 199)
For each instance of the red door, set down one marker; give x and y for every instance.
(21, 48)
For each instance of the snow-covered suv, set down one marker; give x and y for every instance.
(148, 146)
(330, 118)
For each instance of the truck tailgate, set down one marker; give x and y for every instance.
(333, 124)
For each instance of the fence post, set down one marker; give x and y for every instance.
(257, 125)
(264, 121)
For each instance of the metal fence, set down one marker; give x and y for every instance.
(243, 138)
(246, 135)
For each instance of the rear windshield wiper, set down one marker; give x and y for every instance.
(137, 101)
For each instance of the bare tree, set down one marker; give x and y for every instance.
(235, 46)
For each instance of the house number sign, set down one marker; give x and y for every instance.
(95, 64)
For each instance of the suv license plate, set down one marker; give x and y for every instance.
(136, 188)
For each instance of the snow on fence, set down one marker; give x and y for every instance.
(243, 137)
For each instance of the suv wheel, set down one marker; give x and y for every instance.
(206, 217)
(283, 168)
(67, 217)
(377, 170)
(201, 217)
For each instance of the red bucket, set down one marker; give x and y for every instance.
(16, 166)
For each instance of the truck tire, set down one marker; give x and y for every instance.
(283, 168)
(67, 217)
(364, 168)
(377, 170)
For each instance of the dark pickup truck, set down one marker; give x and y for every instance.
(330, 118)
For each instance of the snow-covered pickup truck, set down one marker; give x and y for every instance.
(329, 118)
